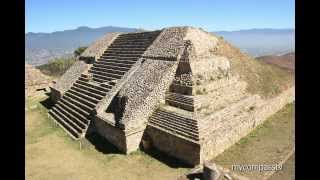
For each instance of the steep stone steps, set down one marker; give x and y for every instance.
(64, 125)
(109, 70)
(118, 64)
(77, 106)
(179, 100)
(80, 99)
(95, 86)
(75, 120)
(88, 93)
(88, 88)
(110, 67)
(128, 60)
(79, 116)
(175, 124)
(78, 103)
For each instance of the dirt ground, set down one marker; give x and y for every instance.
(52, 155)
(268, 144)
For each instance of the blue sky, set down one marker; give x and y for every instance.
(211, 15)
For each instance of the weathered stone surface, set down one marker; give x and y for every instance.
(69, 77)
(168, 45)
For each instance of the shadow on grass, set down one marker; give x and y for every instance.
(166, 159)
(101, 144)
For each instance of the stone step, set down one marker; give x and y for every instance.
(93, 90)
(111, 67)
(105, 74)
(75, 113)
(75, 107)
(95, 86)
(109, 70)
(120, 56)
(88, 93)
(174, 123)
(101, 78)
(192, 123)
(78, 103)
(76, 120)
(122, 38)
(180, 97)
(67, 128)
(84, 96)
(174, 115)
(126, 60)
(180, 104)
(68, 121)
(80, 99)
(173, 131)
(117, 64)
(126, 45)
(126, 49)
(132, 41)
(141, 34)
(84, 79)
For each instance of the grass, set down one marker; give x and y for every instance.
(51, 154)
(262, 78)
(269, 143)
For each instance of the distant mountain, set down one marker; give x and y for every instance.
(286, 61)
(41, 47)
(259, 42)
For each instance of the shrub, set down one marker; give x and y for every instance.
(56, 67)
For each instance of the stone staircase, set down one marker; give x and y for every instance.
(75, 109)
(175, 124)
(180, 100)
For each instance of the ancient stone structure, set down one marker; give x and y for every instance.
(168, 88)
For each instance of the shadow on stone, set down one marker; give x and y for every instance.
(47, 103)
(170, 161)
(101, 144)
(194, 176)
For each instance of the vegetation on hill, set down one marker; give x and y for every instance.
(79, 51)
(264, 79)
(56, 67)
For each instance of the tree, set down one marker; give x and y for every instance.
(79, 51)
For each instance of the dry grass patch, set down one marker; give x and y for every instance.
(51, 154)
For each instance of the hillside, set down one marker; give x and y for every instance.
(286, 61)
(259, 42)
(262, 78)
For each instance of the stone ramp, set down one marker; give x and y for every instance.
(78, 105)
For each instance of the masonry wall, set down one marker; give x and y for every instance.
(174, 146)
(112, 134)
(235, 128)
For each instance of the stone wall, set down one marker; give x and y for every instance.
(174, 146)
(168, 44)
(68, 78)
(112, 134)
(232, 130)
(144, 91)
(96, 49)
